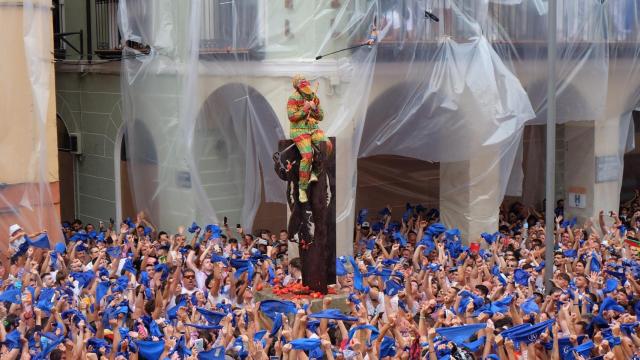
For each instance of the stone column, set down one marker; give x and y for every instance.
(470, 194)
(593, 173)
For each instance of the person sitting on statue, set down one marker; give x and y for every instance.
(304, 111)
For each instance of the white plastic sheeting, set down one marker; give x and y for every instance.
(29, 168)
(206, 107)
(214, 108)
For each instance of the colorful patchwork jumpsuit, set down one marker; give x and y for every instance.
(304, 129)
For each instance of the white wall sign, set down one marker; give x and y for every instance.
(607, 168)
(577, 200)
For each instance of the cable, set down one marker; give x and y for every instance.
(79, 63)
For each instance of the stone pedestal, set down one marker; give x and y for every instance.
(319, 253)
(339, 301)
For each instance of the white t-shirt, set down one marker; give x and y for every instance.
(89, 266)
(215, 300)
(188, 292)
(201, 278)
(289, 280)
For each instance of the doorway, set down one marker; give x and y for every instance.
(396, 180)
(631, 175)
(126, 191)
(66, 173)
(136, 191)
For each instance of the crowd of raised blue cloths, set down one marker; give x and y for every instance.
(413, 289)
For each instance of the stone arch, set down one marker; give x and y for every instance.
(136, 171)
(234, 128)
(379, 183)
(571, 105)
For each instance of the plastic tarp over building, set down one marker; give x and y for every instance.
(29, 195)
(213, 88)
(205, 105)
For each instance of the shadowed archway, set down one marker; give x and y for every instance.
(384, 176)
(236, 133)
(66, 172)
(137, 179)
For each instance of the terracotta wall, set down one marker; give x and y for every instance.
(29, 191)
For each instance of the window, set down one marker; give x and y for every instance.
(229, 24)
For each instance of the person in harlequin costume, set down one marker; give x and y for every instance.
(304, 111)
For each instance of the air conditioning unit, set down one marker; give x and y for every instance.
(75, 142)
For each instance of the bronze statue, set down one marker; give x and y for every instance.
(310, 221)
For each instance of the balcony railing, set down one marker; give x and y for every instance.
(226, 27)
(108, 39)
(522, 26)
(230, 27)
(578, 21)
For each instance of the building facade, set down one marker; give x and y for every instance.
(89, 103)
(29, 184)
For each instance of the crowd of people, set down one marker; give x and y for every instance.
(414, 289)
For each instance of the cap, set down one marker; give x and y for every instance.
(366, 224)
(263, 242)
(14, 228)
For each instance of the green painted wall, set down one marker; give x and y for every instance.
(90, 104)
(76, 20)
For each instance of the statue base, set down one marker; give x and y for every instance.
(313, 223)
(338, 301)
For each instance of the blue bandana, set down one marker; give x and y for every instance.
(213, 354)
(305, 344)
(45, 300)
(530, 306)
(150, 350)
(212, 317)
(273, 307)
(490, 238)
(362, 216)
(374, 332)
(529, 333)
(41, 241)
(387, 347)
(334, 314)
(13, 296)
(459, 334)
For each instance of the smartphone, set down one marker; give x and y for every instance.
(225, 221)
(111, 221)
(199, 345)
